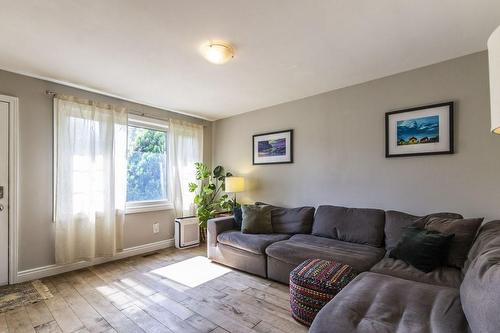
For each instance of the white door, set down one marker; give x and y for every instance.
(4, 191)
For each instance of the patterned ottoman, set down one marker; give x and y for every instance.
(313, 284)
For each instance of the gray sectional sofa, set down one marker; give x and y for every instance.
(388, 295)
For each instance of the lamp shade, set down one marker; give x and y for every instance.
(494, 62)
(235, 184)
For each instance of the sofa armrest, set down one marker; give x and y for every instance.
(479, 292)
(217, 226)
(487, 238)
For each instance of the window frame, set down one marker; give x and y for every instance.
(134, 207)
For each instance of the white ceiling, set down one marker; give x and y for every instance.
(147, 51)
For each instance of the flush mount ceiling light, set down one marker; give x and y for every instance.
(217, 52)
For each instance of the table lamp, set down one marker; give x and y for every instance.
(494, 68)
(235, 185)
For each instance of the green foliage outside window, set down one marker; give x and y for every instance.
(146, 178)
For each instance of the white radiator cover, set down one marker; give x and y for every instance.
(187, 232)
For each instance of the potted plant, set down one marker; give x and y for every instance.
(208, 199)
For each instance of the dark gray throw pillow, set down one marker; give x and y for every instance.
(424, 249)
(256, 219)
(238, 217)
(464, 231)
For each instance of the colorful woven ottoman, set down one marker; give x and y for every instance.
(313, 284)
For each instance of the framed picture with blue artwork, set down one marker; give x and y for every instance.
(423, 130)
(273, 148)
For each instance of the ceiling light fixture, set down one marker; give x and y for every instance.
(218, 52)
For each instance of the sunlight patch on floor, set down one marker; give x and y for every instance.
(129, 282)
(192, 272)
(106, 290)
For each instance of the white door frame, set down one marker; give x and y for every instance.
(13, 184)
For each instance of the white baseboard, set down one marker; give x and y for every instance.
(49, 270)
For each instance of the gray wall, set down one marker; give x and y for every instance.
(36, 242)
(139, 227)
(339, 146)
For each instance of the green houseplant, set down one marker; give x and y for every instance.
(209, 199)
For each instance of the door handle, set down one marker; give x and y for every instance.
(1, 208)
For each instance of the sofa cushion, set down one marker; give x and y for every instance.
(395, 222)
(242, 260)
(301, 247)
(255, 243)
(356, 225)
(464, 231)
(480, 289)
(380, 303)
(291, 220)
(442, 276)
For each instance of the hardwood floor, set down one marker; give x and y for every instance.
(167, 291)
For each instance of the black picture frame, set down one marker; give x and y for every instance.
(255, 136)
(451, 146)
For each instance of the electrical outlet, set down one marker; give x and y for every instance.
(156, 228)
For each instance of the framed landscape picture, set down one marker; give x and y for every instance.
(425, 130)
(273, 148)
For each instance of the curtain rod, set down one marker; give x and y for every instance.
(53, 94)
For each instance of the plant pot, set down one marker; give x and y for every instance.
(203, 234)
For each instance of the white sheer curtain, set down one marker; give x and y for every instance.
(90, 180)
(185, 147)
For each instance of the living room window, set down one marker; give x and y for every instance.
(147, 169)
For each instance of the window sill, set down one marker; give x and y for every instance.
(144, 208)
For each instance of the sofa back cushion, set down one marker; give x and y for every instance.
(291, 220)
(395, 222)
(356, 225)
(480, 289)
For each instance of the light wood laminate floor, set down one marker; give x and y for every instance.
(167, 291)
